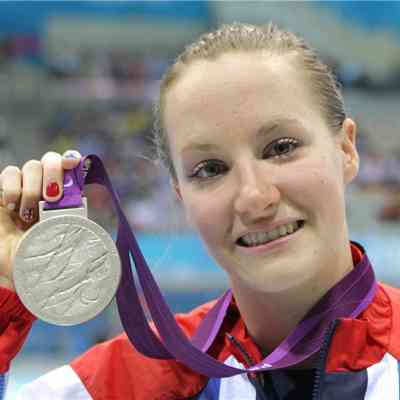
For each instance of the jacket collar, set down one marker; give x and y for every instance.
(356, 343)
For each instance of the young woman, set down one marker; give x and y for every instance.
(252, 127)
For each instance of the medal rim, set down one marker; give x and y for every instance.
(115, 261)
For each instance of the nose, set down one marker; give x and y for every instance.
(257, 196)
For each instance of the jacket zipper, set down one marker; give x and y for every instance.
(320, 370)
(258, 380)
(319, 373)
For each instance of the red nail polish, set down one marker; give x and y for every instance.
(52, 189)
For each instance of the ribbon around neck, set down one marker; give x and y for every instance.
(348, 298)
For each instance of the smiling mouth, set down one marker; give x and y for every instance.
(263, 238)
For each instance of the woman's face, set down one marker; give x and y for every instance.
(252, 152)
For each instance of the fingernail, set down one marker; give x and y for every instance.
(71, 155)
(52, 189)
(87, 163)
(11, 206)
(86, 166)
(27, 214)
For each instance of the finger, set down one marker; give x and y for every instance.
(32, 177)
(53, 176)
(70, 159)
(11, 184)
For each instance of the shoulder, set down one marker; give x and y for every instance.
(359, 343)
(191, 320)
(392, 296)
(129, 374)
(392, 293)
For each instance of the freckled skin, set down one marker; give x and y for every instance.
(223, 103)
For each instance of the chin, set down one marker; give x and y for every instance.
(276, 277)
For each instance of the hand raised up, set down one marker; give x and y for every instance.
(21, 191)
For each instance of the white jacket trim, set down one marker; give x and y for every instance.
(60, 384)
(383, 379)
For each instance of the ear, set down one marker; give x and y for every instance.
(176, 189)
(178, 194)
(347, 143)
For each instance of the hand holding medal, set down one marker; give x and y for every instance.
(66, 268)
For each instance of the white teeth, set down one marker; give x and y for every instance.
(253, 239)
(282, 230)
(273, 234)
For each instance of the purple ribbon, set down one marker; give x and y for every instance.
(347, 299)
(72, 192)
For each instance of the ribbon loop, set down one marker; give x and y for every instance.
(347, 299)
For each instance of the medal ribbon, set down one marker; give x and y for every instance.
(347, 299)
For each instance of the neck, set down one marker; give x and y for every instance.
(271, 317)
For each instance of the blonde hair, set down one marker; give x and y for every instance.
(245, 37)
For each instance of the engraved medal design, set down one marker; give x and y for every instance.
(66, 269)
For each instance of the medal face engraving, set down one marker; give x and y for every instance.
(66, 269)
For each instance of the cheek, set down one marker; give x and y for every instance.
(208, 215)
(318, 186)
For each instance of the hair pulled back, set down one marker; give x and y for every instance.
(245, 37)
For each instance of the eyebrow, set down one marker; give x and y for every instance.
(199, 146)
(266, 129)
(263, 131)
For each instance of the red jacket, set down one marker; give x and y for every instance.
(358, 361)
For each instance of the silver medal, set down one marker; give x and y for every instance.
(66, 267)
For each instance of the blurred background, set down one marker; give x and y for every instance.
(84, 75)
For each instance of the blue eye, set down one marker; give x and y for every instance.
(209, 169)
(281, 148)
